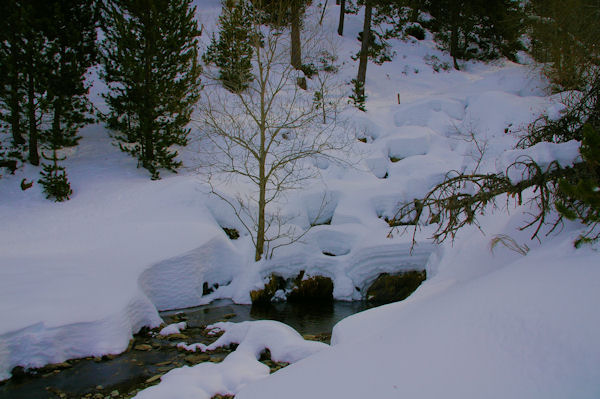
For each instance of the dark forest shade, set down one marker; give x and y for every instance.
(150, 66)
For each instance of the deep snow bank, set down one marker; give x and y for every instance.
(525, 327)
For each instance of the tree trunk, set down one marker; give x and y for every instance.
(15, 105)
(296, 52)
(260, 232)
(57, 136)
(342, 14)
(34, 157)
(262, 202)
(364, 49)
(454, 37)
(147, 119)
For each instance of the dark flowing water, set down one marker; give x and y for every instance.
(121, 376)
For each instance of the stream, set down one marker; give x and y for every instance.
(150, 355)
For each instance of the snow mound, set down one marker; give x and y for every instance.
(174, 328)
(240, 367)
(177, 282)
(434, 113)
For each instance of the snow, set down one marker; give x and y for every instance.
(524, 328)
(239, 368)
(174, 328)
(79, 278)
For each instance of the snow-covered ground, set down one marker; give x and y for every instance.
(78, 278)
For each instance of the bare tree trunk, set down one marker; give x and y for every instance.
(364, 48)
(342, 14)
(296, 52)
(262, 204)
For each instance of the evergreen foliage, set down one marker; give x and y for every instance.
(46, 48)
(54, 179)
(74, 52)
(564, 36)
(580, 196)
(358, 98)
(477, 29)
(151, 69)
(232, 51)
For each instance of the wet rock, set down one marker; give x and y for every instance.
(163, 363)
(274, 366)
(58, 366)
(218, 396)
(229, 316)
(114, 393)
(321, 337)
(264, 295)
(312, 289)
(99, 387)
(233, 234)
(143, 347)
(153, 378)
(18, 372)
(177, 336)
(197, 358)
(389, 288)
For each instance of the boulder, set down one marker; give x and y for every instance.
(389, 288)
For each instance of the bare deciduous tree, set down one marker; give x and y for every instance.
(266, 139)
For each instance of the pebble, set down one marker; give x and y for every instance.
(197, 358)
(153, 378)
(178, 336)
(163, 363)
(143, 347)
(114, 393)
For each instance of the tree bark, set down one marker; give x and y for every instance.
(454, 37)
(364, 48)
(15, 106)
(146, 120)
(296, 52)
(342, 14)
(34, 157)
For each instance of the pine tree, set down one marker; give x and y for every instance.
(150, 66)
(74, 52)
(12, 95)
(232, 51)
(579, 199)
(54, 179)
(476, 29)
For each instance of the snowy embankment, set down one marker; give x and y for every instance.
(486, 326)
(489, 324)
(78, 278)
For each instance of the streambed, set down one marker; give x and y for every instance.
(150, 355)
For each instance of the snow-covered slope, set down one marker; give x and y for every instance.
(78, 278)
(502, 326)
